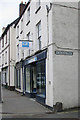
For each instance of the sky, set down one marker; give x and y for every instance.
(9, 11)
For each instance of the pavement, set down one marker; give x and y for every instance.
(17, 106)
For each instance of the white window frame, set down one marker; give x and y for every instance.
(39, 34)
(6, 57)
(38, 4)
(28, 15)
(2, 59)
(18, 51)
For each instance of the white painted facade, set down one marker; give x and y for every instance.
(57, 33)
(65, 38)
(7, 56)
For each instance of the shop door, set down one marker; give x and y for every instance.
(41, 79)
(33, 79)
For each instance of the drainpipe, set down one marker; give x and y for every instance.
(48, 10)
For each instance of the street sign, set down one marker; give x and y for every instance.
(64, 53)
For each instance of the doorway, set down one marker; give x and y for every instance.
(31, 80)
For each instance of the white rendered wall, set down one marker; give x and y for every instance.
(65, 35)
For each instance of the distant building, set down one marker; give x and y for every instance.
(7, 56)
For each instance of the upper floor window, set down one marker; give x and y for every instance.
(28, 36)
(6, 39)
(18, 51)
(17, 32)
(38, 5)
(6, 57)
(0, 44)
(21, 26)
(2, 59)
(3, 42)
(39, 34)
(28, 15)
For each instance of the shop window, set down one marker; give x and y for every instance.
(28, 79)
(41, 79)
(18, 84)
(31, 79)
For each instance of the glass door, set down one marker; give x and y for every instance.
(33, 79)
(28, 79)
(41, 81)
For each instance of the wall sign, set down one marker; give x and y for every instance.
(63, 53)
(38, 57)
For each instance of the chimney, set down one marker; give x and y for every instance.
(21, 8)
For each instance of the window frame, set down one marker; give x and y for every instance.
(3, 42)
(28, 15)
(6, 57)
(38, 33)
(6, 39)
(38, 6)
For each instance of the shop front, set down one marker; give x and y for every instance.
(35, 76)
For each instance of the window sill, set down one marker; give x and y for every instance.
(28, 23)
(38, 9)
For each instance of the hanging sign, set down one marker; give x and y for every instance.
(23, 44)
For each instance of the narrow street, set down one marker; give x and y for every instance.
(17, 106)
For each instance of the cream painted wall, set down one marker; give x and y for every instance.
(65, 35)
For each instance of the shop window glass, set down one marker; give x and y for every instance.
(41, 79)
(27, 79)
(33, 79)
(18, 79)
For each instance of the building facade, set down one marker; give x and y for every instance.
(7, 56)
(46, 67)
